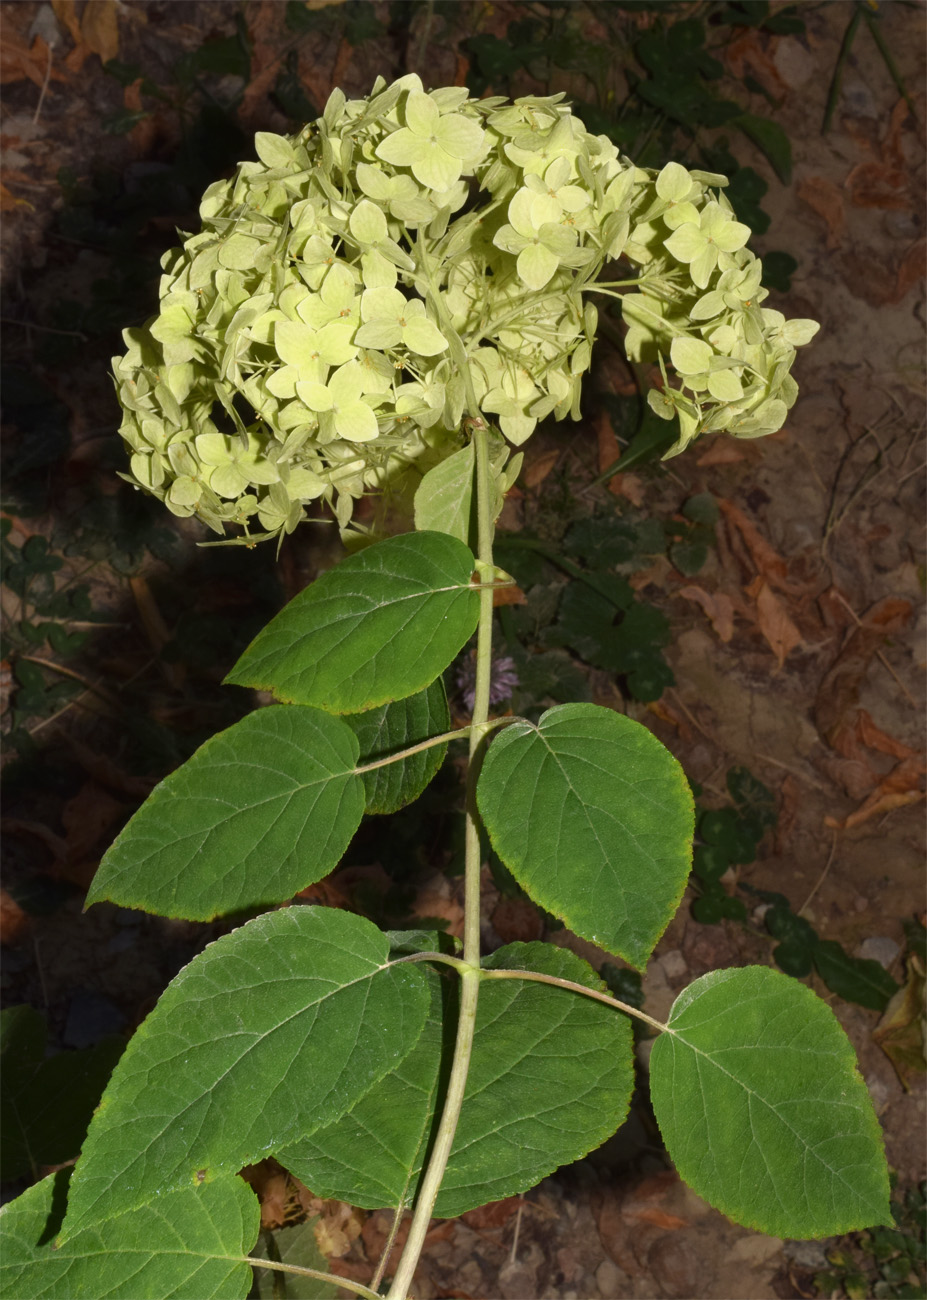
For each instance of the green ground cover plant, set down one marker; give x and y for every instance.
(389, 302)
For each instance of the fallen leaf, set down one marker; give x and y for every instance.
(746, 55)
(721, 451)
(87, 817)
(876, 738)
(826, 199)
(911, 269)
(508, 596)
(99, 28)
(536, 470)
(876, 185)
(838, 692)
(517, 920)
(666, 713)
(9, 202)
(902, 1033)
(338, 1227)
(767, 562)
(14, 922)
(19, 61)
(629, 486)
(900, 788)
(493, 1215)
(773, 620)
(66, 13)
(718, 607)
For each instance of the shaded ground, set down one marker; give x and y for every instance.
(798, 648)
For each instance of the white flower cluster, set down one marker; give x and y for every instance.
(411, 258)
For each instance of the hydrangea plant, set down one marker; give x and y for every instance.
(357, 306)
(352, 290)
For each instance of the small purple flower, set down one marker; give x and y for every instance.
(504, 679)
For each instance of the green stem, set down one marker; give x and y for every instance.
(429, 744)
(538, 977)
(470, 974)
(315, 1273)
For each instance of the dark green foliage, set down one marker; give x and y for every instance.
(596, 616)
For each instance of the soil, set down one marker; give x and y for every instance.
(817, 687)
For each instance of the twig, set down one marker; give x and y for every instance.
(44, 329)
(48, 68)
(103, 693)
(820, 879)
(521, 1207)
(800, 776)
(879, 654)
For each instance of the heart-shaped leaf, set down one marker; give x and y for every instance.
(594, 819)
(259, 812)
(380, 626)
(272, 1031)
(762, 1108)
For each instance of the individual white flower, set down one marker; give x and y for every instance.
(435, 147)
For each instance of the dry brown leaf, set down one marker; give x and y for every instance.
(773, 620)
(911, 269)
(876, 738)
(493, 1215)
(721, 451)
(535, 471)
(767, 562)
(838, 693)
(901, 787)
(508, 596)
(14, 922)
(517, 920)
(745, 56)
(629, 486)
(9, 202)
(826, 199)
(901, 1031)
(432, 903)
(19, 61)
(876, 185)
(99, 28)
(87, 817)
(339, 1225)
(609, 448)
(66, 13)
(718, 607)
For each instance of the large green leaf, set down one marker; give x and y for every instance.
(770, 137)
(392, 728)
(187, 1245)
(444, 497)
(259, 812)
(594, 818)
(45, 1104)
(380, 626)
(271, 1032)
(550, 1078)
(762, 1108)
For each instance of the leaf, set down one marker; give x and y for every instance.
(271, 1032)
(772, 140)
(100, 28)
(594, 818)
(294, 1245)
(380, 626)
(188, 1243)
(550, 1078)
(762, 1108)
(857, 979)
(46, 1105)
(259, 812)
(444, 497)
(392, 728)
(773, 620)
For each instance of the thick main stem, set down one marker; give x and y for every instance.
(470, 977)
